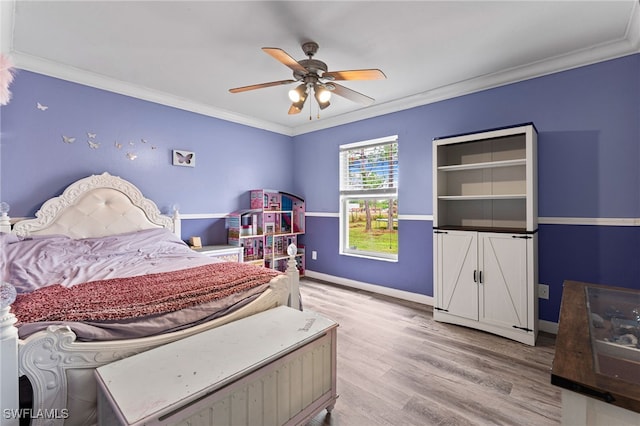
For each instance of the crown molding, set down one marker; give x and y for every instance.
(6, 25)
(633, 28)
(87, 78)
(627, 45)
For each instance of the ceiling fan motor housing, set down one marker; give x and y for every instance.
(314, 67)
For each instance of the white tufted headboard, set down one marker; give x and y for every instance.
(97, 206)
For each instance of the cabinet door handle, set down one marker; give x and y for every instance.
(475, 276)
(480, 277)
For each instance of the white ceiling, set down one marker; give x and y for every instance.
(188, 54)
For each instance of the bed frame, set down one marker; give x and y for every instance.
(60, 369)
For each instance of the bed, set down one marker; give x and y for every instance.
(58, 350)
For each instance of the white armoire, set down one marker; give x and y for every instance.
(485, 223)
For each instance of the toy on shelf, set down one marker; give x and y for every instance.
(273, 223)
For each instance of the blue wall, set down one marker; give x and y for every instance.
(36, 164)
(588, 121)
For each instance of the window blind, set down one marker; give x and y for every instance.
(369, 169)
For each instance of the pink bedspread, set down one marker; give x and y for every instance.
(122, 298)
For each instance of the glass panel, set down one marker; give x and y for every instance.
(615, 332)
(372, 225)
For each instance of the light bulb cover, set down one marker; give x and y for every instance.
(322, 96)
(298, 94)
(293, 95)
(4, 207)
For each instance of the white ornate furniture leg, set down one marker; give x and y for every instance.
(5, 220)
(294, 278)
(8, 358)
(177, 224)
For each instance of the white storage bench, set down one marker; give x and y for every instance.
(274, 368)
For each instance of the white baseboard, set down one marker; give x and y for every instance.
(373, 288)
(546, 326)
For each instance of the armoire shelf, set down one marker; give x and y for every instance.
(483, 197)
(484, 165)
(486, 179)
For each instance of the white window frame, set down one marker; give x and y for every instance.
(346, 195)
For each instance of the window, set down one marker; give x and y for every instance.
(369, 198)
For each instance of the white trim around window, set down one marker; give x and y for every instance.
(368, 175)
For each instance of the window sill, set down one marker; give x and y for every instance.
(370, 257)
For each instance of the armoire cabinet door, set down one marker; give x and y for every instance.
(456, 259)
(503, 285)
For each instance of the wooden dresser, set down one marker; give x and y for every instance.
(274, 368)
(600, 377)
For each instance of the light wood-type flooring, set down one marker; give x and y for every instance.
(397, 366)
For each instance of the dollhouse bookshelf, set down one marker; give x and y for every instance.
(274, 220)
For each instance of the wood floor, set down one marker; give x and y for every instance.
(397, 366)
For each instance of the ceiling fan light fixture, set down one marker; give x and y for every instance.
(299, 104)
(322, 95)
(298, 94)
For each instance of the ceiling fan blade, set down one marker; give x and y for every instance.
(352, 95)
(284, 58)
(370, 74)
(260, 86)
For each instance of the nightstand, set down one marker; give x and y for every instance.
(225, 253)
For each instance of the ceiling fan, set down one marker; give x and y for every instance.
(314, 76)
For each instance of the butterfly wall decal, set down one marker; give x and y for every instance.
(42, 107)
(68, 139)
(184, 158)
(91, 135)
(131, 156)
(93, 145)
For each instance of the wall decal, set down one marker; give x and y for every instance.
(91, 135)
(93, 145)
(132, 156)
(42, 107)
(117, 145)
(68, 139)
(184, 158)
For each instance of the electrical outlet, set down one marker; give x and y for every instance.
(543, 291)
(314, 255)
